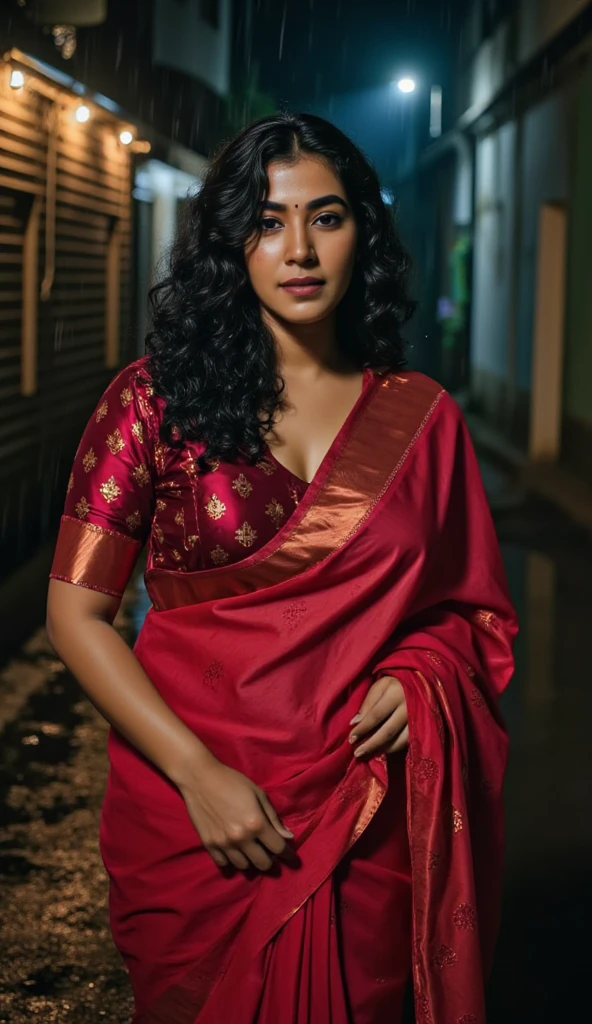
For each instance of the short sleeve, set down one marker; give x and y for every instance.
(111, 496)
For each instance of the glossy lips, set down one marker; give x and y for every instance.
(303, 285)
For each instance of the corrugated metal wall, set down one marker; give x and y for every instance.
(65, 194)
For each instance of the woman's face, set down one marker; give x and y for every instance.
(307, 231)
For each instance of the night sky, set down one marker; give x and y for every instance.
(308, 50)
(338, 59)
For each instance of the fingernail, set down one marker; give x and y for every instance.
(355, 719)
(353, 738)
(358, 752)
(289, 831)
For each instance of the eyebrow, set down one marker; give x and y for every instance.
(314, 204)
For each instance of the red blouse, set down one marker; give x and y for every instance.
(126, 483)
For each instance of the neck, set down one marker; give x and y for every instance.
(307, 350)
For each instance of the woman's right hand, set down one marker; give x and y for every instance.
(234, 817)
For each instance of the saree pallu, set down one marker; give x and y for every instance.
(389, 565)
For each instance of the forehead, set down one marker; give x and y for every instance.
(306, 179)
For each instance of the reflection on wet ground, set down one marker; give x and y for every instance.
(59, 963)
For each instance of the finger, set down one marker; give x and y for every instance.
(385, 735)
(402, 741)
(272, 814)
(382, 710)
(257, 855)
(374, 694)
(237, 858)
(218, 857)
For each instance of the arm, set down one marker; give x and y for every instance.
(79, 628)
(107, 519)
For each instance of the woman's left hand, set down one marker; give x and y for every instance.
(384, 706)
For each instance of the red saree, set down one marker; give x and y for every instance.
(389, 564)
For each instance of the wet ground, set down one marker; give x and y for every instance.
(58, 961)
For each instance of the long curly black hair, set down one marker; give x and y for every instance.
(210, 356)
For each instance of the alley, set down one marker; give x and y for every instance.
(59, 963)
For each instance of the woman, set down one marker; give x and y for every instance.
(327, 592)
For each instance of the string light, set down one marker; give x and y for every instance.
(82, 113)
(126, 137)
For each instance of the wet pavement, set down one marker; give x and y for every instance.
(59, 963)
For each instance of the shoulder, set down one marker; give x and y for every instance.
(421, 392)
(131, 388)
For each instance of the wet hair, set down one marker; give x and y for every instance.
(210, 356)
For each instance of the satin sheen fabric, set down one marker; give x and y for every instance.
(389, 565)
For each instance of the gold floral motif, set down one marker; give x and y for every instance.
(425, 770)
(214, 464)
(102, 411)
(294, 495)
(467, 1018)
(433, 657)
(180, 517)
(188, 465)
(192, 539)
(275, 512)
(82, 508)
(485, 619)
(148, 388)
(138, 431)
(246, 535)
(457, 821)
(213, 675)
(465, 917)
(134, 520)
(145, 407)
(266, 466)
(444, 957)
(219, 556)
(293, 614)
(89, 461)
(215, 508)
(115, 442)
(126, 396)
(177, 556)
(160, 454)
(70, 483)
(110, 490)
(241, 485)
(159, 559)
(141, 475)
(157, 531)
(160, 505)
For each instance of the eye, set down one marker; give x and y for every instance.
(267, 223)
(336, 219)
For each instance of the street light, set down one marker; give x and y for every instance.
(406, 84)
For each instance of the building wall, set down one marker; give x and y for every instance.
(78, 345)
(577, 428)
(541, 20)
(493, 268)
(184, 40)
(522, 165)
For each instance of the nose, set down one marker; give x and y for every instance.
(299, 248)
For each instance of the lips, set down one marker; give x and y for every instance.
(302, 282)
